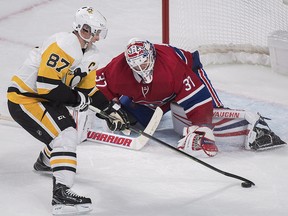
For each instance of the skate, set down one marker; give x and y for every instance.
(265, 137)
(66, 202)
(39, 165)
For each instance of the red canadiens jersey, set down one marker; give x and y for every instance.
(173, 81)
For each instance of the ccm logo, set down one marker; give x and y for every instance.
(61, 117)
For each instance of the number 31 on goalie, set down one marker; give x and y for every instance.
(188, 82)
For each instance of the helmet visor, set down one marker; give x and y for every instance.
(101, 32)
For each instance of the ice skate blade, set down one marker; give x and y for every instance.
(71, 209)
(38, 172)
(271, 147)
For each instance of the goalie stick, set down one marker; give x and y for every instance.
(246, 183)
(128, 142)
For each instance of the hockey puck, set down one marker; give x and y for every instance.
(246, 184)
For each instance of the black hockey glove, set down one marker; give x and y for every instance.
(83, 101)
(119, 119)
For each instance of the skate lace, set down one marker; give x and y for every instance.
(72, 193)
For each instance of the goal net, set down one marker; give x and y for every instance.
(226, 31)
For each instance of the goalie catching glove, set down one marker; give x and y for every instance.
(196, 139)
(118, 117)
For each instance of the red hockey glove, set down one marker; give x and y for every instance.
(198, 138)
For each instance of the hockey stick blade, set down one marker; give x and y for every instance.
(128, 142)
(246, 181)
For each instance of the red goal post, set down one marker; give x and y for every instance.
(224, 31)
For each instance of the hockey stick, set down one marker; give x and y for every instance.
(128, 142)
(246, 183)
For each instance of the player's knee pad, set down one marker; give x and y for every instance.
(67, 140)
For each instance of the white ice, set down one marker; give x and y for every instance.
(156, 180)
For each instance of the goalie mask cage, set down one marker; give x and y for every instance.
(224, 31)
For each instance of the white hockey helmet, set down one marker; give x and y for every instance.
(88, 17)
(140, 56)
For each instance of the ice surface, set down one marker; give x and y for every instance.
(156, 180)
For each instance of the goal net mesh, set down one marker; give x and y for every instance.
(227, 30)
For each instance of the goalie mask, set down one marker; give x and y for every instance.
(140, 56)
(92, 21)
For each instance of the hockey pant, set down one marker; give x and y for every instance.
(55, 127)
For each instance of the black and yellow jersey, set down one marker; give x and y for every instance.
(48, 70)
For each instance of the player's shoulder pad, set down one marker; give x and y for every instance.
(70, 44)
(90, 60)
